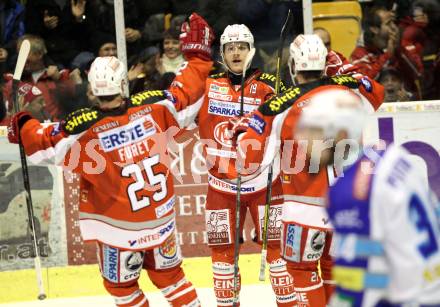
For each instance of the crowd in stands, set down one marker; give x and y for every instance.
(399, 45)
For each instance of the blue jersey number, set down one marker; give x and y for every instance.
(420, 218)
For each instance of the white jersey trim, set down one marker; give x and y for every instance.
(124, 224)
(126, 239)
(306, 214)
(55, 154)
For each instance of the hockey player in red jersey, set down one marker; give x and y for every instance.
(119, 148)
(306, 233)
(222, 103)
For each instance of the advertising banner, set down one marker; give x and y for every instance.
(48, 205)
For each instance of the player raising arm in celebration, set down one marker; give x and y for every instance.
(222, 103)
(385, 219)
(306, 233)
(119, 149)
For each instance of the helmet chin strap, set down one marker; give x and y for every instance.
(292, 74)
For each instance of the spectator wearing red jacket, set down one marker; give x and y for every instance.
(381, 39)
(45, 77)
(420, 43)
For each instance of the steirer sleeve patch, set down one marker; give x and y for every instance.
(281, 102)
(148, 97)
(80, 120)
(270, 80)
(345, 80)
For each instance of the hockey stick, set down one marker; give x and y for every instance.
(262, 275)
(121, 43)
(418, 75)
(21, 61)
(248, 58)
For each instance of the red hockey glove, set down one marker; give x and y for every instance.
(196, 38)
(17, 121)
(237, 126)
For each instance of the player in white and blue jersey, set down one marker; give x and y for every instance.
(386, 220)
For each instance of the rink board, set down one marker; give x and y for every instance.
(415, 125)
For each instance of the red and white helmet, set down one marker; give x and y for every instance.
(335, 110)
(308, 52)
(106, 75)
(236, 33)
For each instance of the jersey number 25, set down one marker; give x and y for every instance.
(139, 183)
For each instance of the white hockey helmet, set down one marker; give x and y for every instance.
(106, 75)
(308, 52)
(236, 33)
(335, 110)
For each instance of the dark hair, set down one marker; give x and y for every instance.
(431, 8)
(390, 72)
(107, 98)
(310, 74)
(371, 19)
(171, 34)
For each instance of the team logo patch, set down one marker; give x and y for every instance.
(367, 84)
(218, 227)
(24, 89)
(131, 265)
(221, 134)
(134, 261)
(168, 250)
(274, 223)
(168, 254)
(257, 124)
(110, 263)
(314, 245)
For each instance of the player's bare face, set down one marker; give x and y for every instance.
(34, 62)
(392, 86)
(171, 48)
(235, 54)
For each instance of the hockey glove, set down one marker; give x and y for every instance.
(17, 121)
(196, 38)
